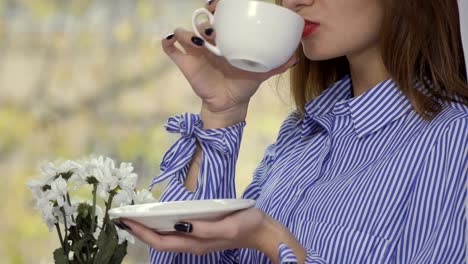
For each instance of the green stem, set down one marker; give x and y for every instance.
(61, 240)
(108, 206)
(93, 210)
(60, 235)
(69, 203)
(78, 257)
(66, 231)
(88, 254)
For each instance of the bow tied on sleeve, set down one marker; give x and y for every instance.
(190, 127)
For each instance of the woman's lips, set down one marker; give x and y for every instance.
(309, 28)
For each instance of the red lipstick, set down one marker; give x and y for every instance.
(309, 27)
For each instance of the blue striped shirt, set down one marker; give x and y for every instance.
(357, 180)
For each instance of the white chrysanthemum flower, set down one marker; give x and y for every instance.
(107, 175)
(47, 213)
(80, 175)
(128, 182)
(51, 191)
(88, 169)
(127, 178)
(48, 169)
(42, 201)
(37, 185)
(71, 211)
(59, 188)
(59, 214)
(122, 198)
(143, 196)
(102, 169)
(125, 236)
(51, 170)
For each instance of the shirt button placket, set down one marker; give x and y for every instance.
(295, 203)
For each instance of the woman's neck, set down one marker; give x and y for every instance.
(367, 70)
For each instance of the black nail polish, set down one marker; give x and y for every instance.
(168, 37)
(183, 227)
(209, 31)
(198, 41)
(210, 2)
(118, 224)
(122, 226)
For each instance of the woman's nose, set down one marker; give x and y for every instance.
(296, 5)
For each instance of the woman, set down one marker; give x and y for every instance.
(372, 165)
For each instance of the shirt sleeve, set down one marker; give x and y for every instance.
(442, 226)
(216, 180)
(220, 148)
(286, 256)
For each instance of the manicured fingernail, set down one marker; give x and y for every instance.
(122, 225)
(118, 224)
(169, 36)
(209, 31)
(183, 227)
(198, 41)
(209, 2)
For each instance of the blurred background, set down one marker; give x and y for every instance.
(89, 77)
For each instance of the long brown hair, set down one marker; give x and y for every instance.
(425, 47)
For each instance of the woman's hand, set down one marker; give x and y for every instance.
(250, 228)
(222, 87)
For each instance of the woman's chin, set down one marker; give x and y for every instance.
(315, 54)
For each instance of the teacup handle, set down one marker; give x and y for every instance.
(198, 12)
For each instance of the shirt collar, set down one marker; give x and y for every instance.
(369, 112)
(325, 102)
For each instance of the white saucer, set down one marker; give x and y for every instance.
(162, 216)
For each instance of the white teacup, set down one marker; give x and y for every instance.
(253, 35)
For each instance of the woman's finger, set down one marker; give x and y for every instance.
(234, 227)
(190, 43)
(227, 228)
(158, 241)
(173, 242)
(207, 31)
(210, 230)
(141, 232)
(211, 5)
(170, 49)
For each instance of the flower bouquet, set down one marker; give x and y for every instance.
(86, 233)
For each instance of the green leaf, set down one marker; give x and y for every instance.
(78, 246)
(83, 220)
(60, 257)
(119, 253)
(73, 234)
(81, 247)
(84, 209)
(107, 243)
